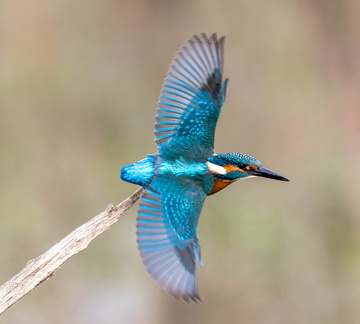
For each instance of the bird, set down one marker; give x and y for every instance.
(185, 169)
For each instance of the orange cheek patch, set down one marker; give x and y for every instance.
(252, 167)
(230, 168)
(219, 185)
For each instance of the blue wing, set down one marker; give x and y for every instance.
(191, 99)
(167, 233)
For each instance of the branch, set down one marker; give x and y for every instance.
(44, 266)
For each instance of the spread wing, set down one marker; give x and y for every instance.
(191, 99)
(167, 233)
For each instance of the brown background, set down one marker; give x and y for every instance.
(79, 84)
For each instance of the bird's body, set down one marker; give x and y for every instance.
(185, 169)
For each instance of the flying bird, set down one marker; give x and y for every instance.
(185, 170)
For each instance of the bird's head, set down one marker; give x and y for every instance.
(234, 166)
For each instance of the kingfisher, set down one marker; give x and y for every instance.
(185, 170)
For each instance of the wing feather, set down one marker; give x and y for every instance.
(192, 97)
(167, 235)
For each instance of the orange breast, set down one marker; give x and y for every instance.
(220, 184)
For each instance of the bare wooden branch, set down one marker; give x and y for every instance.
(43, 267)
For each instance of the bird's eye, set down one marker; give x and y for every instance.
(247, 168)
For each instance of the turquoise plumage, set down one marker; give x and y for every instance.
(185, 170)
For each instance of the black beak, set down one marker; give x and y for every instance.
(266, 173)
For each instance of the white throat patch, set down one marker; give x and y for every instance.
(214, 168)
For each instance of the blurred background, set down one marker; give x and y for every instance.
(79, 85)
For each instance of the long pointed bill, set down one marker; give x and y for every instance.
(266, 173)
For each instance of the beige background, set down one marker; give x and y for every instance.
(79, 84)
